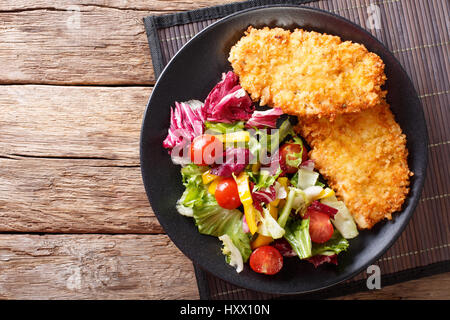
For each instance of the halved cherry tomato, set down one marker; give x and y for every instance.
(227, 194)
(287, 152)
(267, 260)
(320, 227)
(205, 149)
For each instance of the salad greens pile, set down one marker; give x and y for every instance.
(249, 183)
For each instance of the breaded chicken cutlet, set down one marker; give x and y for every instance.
(363, 157)
(307, 73)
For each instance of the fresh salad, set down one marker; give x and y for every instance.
(249, 182)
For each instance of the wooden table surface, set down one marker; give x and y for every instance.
(75, 222)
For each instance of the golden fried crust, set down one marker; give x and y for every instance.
(307, 73)
(363, 156)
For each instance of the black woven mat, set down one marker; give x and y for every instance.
(423, 50)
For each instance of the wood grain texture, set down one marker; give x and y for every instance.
(435, 287)
(79, 42)
(79, 122)
(146, 5)
(90, 46)
(69, 160)
(94, 267)
(73, 196)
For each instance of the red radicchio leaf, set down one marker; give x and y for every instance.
(236, 159)
(185, 124)
(321, 259)
(261, 119)
(318, 206)
(308, 165)
(284, 247)
(228, 102)
(261, 196)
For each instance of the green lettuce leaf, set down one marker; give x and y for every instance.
(194, 196)
(297, 234)
(192, 174)
(196, 193)
(211, 219)
(265, 179)
(294, 179)
(320, 184)
(232, 254)
(335, 245)
(285, 130)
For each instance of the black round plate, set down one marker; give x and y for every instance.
(192, 73)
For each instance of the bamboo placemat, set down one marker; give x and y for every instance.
(416, 32)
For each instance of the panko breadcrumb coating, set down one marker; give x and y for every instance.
(363, 157)
(307, 73)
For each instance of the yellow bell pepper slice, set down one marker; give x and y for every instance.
(260, 241)
(213, 186)
(273, 210)
(284, 181)
(250, 216)
(276, 202)
(326, 193)
(238, 136)
(207, 177)
(245, 196)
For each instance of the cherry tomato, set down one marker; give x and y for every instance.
(205, 149)
(227, 194)
(288, 151)
(320, 227)
(267, 260)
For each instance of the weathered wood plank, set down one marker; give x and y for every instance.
(69, 160)
(435, 287)
(84, 42)
(73, 196)
(147, 5)
(80, 122)
(93, 46)
(94, 267)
